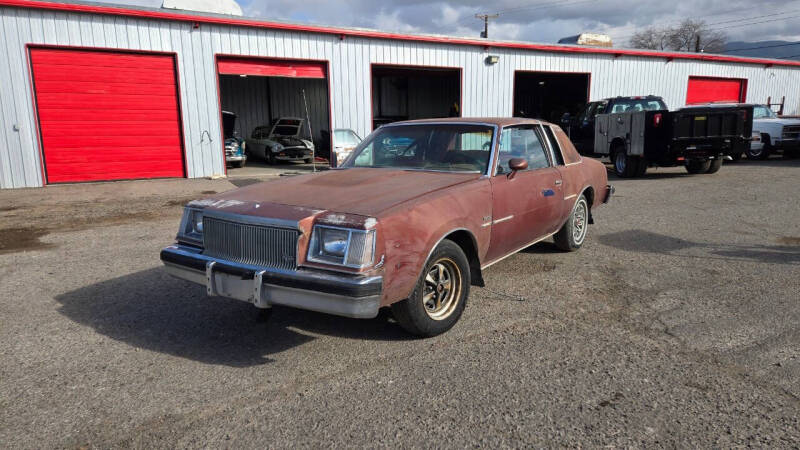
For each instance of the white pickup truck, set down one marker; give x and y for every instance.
(778, 134)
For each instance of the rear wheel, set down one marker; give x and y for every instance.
(572, 235)
(441, 293)
(715, 165)
(625, 166)
(695, 166)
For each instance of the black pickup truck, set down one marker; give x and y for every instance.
(640, 132)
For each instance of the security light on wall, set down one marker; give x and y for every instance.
(492, 59)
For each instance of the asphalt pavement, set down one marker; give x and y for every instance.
(676, 325)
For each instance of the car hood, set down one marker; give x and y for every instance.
(360, 191)
(778, 120)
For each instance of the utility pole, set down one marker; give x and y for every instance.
(485, 18)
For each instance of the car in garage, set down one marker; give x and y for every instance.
(410, 229)
(777, 134)
(344, 142)
(284, 140)
(235, 154)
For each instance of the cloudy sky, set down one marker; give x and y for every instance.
(536, 20)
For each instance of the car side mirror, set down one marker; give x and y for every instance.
(517, 164)
(566, 118)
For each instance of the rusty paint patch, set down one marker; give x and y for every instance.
(14, 240)
(790, 240)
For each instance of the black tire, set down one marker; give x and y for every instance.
(762, 154)
(625, 166)
(240, 164)
(715, 165)
(641, 169)
(430, 316)
(695, 166)
(737, 156)
(308, 160)
(573, 233)
(791, 153)
(270, 158)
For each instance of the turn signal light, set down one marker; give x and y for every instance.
(657, 120)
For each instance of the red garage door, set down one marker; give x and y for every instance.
(710, 90)
(271, 68)
(106, 115)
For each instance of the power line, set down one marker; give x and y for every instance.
(790, 57)
(738, 25)
(764, 46)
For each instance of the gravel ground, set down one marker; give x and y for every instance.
(677, 325)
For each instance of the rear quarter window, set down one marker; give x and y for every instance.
(558, 157)
(567, 149)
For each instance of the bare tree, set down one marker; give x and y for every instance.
(689, 36)
(651, 38)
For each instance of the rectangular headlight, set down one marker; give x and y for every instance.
(342, 246)
(191, 230)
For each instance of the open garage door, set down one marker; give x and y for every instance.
(260, 91)
(711, 90)
(548, 95)
(107, 115)
(407, 93)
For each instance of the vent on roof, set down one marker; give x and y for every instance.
(229, 7)
(592, 39)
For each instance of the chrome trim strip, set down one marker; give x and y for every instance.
(570, 196)
(251, 220)
(517, 250)
(258, 282)
(503, 219)
(487, 224)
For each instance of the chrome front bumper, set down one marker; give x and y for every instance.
(341, 295)
(235, 158)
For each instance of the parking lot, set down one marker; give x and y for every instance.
(677, 324)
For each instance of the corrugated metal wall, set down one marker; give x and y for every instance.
(258, 100)
(487, 89)
(248, 98)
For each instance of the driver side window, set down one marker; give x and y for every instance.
(521, 142)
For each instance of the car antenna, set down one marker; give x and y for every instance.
(310, 133)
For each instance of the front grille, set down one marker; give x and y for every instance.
(791, 131)
(255, 245)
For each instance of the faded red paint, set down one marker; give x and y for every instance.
(413, 210)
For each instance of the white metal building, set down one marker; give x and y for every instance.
(101, 92)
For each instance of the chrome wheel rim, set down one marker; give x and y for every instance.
(442, 289)
(619, 162)
(579, 222)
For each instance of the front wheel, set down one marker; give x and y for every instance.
(627, 166)
(572, 235)
(760, 153)
(440, 295)
(308, 160)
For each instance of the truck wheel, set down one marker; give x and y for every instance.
(440, 295)
(695, 166)
(625, 166)
(737, 156)
(763, 153)
(715, 165)
(572, 235)
(642, 167)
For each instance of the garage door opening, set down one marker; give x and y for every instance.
(107, 115)
(548, 95)
(408, 93)
(260, 92)
(716, 90)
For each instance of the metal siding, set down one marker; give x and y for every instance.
(486, 90)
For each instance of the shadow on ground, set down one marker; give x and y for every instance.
(154, 311)
(642, 241)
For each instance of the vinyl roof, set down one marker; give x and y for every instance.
(344, 32)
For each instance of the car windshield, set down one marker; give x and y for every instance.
(346, 138)
(441, 147)
(763, 112)
(640, 104)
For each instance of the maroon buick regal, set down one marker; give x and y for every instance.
(409, 221)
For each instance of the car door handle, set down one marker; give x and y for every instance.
(558, 182)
